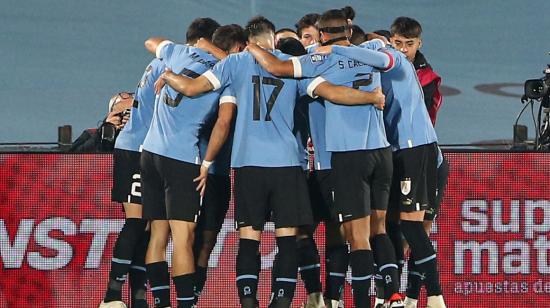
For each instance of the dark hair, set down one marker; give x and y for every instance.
(259, 25)
(384, 33)
(332, 20)
(357, 35)
(201, 27)
(406, 26)
(291, 46)
(227, 36)
(349, 12)
(285, 30)
(307, 20)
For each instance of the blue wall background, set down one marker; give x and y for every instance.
(63, 59)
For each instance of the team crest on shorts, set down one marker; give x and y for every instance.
(406, 186)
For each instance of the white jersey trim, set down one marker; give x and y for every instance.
(228, 99)
(213, 79)
(160, 46)
(313, 85)
(297, 66)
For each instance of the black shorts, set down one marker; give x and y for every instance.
(362, 182)
(279, 191)
(442, 178)
(414, 178)
(215, 203)
(126, 177)
(321, 188)
(168, 188)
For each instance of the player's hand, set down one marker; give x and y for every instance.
(114, 118)
(372, 36)
(380, 99)
(324, 49)
(201, 179)
(159, 84)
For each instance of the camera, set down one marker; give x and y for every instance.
(538, 88)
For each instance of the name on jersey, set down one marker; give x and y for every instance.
(350, 64)
(197, 58)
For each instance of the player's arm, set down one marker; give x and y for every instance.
(379, 59)
(185, 85)
(271, 63)
(207, 46)
(218, 137)
(154, 45)
(344, 95)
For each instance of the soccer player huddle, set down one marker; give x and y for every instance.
(254, 100)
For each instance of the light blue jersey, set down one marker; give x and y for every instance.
(348, 128)
(265, 112)
(132, 135)
(406, 118)
(177, 119)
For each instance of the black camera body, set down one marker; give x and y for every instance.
(538, 88)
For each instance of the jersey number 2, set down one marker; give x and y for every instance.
(277, 83)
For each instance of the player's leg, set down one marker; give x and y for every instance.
(125, 169)
(336, 262)
(183, 204)
(414, 279)
(213, 211)
(352, 193)
(154, 209)
(291, 209)
(250, 213)
(383, 249)
(413, 205)
(309, 265)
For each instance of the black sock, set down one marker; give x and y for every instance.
(384, 255)
(414, 279)
(247, 269)
(394, 232)
(337, 260)
(123, 252)
(138, 275)
(159, 280)
(424, 255)
(185, 290)
(309, 265)
(362, 268)
(200, 280)
(286, 269)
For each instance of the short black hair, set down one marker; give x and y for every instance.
(227, 36)
(201, 27)
(291, 46)
(332, 20)
(357, 35)
(259, 25)
(406, 26)
(285, 30)
(349, 12)
(307, 20)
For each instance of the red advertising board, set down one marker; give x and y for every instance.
(58, 227)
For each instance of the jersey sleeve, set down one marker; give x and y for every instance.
(374, 44)
(165, 49)
(228, 96)
(382, 60)
(220, 75)
(310, 65)
(308, 86)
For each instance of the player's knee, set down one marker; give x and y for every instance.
(358, 239)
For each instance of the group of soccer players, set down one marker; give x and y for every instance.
(228, 99)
